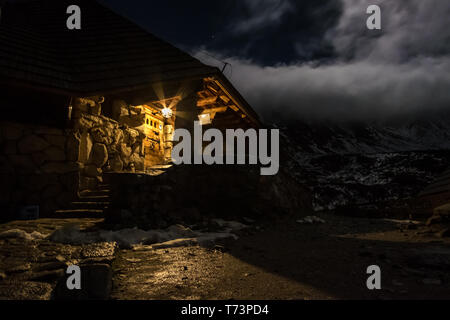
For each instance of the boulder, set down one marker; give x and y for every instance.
(31, 144)
(96, 284)
(56, 140)
(125, 151)
(138, 161)
(9, 147)
(25, 290)
(99, 155)
(100, 135)
(12, 131)
(116, 164)
(92, 171)
(73, 146)
(59, 167)
(23, 163)
(136, 120)
(51, 191)
(119, 109)
(53, 153)
(85, 147)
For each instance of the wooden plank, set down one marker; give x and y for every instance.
(225, 99)
(234, 108)
(206, 101)
(215, 110)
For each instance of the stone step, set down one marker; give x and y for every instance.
(89, 204)
(93, 198)
(79, 213)
(99, 192)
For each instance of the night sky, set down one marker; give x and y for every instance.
(315, 59)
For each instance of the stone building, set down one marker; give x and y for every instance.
(78, 105)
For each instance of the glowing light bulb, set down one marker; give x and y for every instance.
(166, 112)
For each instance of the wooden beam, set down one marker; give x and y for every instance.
(206, 101)
(234, 108)
(204, 94)
(215, 110)
(225, 99)
(212, 89)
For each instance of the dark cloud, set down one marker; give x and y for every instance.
(401, 70)
(316, 59)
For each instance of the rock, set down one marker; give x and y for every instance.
(51, 191)
(310, 220)
(23, 163)
(138, 161)
(12, 131)
(105, 249)
(53, 153)
(25, 290)
(92, 171)
(133, 120)
(116, 164)
(59, 167)
(443, 210)
(85, 147)
(73, 146)
(100, 135)
(2, 276)
(99, 155)
(58, 141)
(20, 234)
(48, 276)
(433, 220)
(435, 282)
(444, 233)
(125, 151)
(19, 268)
(87, 183)
(48, 131)
(119, 108)
(10, 147)
(96, 284)
(55, 265)
(32, 143)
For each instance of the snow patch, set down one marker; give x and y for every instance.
(174, 236)
(310, 220)
(21, 234)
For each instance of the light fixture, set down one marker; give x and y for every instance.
(166, 112)
(204, 118)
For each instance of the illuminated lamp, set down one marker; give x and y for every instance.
(166, 112)
(204, 118)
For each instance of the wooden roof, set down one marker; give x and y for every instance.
(109, 53)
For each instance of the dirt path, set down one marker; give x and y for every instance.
(292, 261)
(285, 260)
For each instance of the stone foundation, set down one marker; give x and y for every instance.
(189, 194)
(34, 169)
(100, 144)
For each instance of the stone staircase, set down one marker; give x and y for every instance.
(90, 204)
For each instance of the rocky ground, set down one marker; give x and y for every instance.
(282, 260)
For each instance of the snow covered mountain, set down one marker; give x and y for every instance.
(360, 164)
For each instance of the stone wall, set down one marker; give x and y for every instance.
(189, 194)
(35, 169)
(100, 144)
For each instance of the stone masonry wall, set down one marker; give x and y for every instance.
(35, 169)
(189, 194)
(100, 144)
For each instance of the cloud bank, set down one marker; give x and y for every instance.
(403, 69)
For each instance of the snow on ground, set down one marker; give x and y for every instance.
(174, 236)
(20, 234)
